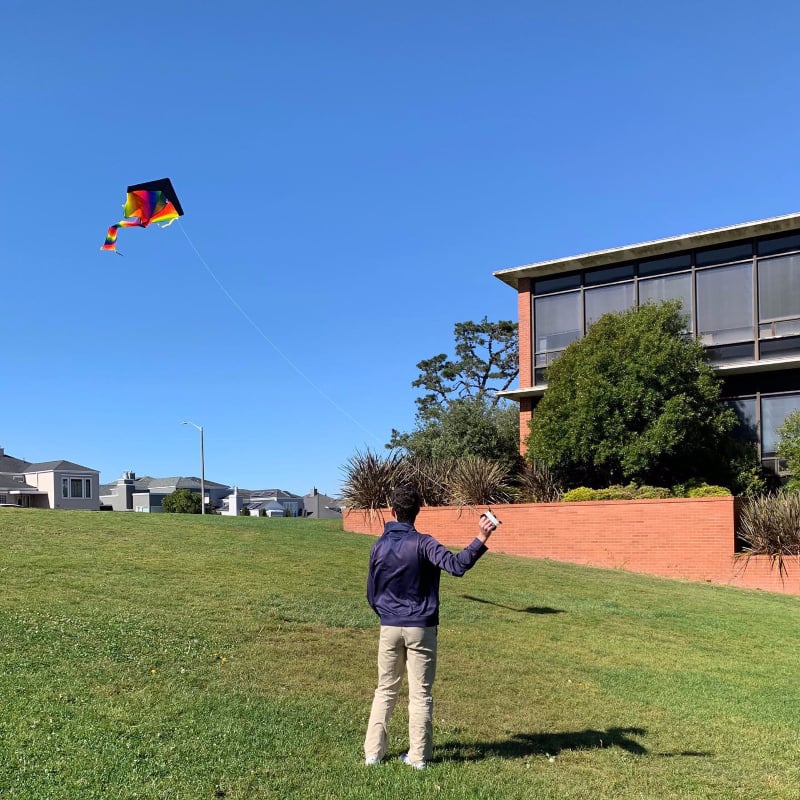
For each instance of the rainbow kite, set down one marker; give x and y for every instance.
(154, 201)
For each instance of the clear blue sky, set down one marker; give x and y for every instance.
(351, 173)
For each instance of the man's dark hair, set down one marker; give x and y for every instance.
(406, 503)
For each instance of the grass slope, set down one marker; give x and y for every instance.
(167, 656)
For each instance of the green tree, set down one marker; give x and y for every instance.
(461, 413)
(486, 362)
(634, 400)
(182, 501)
(789, 448)
(465, 427)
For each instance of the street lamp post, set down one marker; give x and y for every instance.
(202, 467)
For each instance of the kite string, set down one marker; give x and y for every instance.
(294, 366)
(272, 344)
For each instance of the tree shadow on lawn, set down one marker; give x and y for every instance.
(527, 610)
(521, 745)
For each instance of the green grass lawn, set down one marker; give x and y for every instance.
(168, 656)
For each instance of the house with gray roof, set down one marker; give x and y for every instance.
(147, 494)
(48, 484)
(319, 506)
(273, 502)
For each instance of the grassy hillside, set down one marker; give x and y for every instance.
(161, 656)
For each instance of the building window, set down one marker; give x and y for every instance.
(746, 411)
(774, 411)
(721, 255)
(779, 297)
(725, 304)
(669, 287)
(781, 244)
(608, 275)
(76, 488)
(660, 266)
(557, 323)
(607, 299)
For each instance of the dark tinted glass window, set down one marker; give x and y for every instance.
(658, 266)
(774, 411)
(557, 284)
(608, 275)
(783, 244)
(745, 408)
(731, 352)
(790, 346)
(722, 255)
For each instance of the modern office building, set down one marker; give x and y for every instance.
(740, 288)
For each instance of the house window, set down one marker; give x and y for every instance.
(76, 488)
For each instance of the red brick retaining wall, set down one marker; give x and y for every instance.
(692, 539)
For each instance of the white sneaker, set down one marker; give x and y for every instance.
(412, 764)
(372, 761)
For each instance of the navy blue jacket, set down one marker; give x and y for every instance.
(404, 571)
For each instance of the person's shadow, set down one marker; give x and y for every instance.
(526, 610)
(520, 745)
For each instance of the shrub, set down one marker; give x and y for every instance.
(616, 492)
(770, 525)
(369, 480)
(537, 484)
(705, 490)
(652, 493)
(430, 477)
(579, 495)
(477, 481)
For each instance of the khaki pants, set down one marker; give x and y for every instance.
(398, 649)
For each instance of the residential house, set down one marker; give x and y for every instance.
(48, 484)
(273, 502)
(146, 494)
(740, 289)
(320, 506)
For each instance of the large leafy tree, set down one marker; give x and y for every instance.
(634, 400)
(460, 412)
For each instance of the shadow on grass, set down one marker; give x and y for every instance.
(527, 610)
(551, 744)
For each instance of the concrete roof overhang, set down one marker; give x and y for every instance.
(644, 250)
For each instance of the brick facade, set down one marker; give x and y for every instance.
(690, 539)
(525, 358)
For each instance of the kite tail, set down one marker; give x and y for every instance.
(111, 237)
